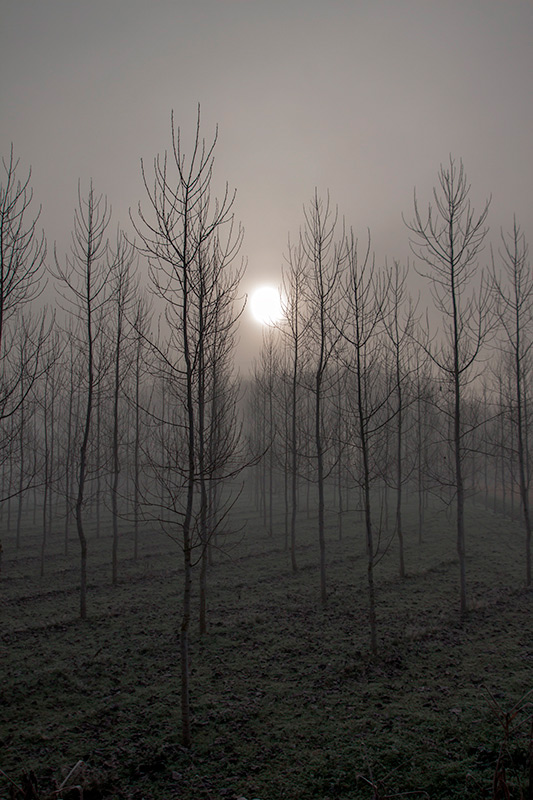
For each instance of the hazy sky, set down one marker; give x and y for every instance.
(362, 97)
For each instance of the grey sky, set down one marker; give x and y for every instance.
(365, 98)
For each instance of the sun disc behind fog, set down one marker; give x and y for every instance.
(265, 304)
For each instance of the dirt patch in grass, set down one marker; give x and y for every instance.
(287, 700)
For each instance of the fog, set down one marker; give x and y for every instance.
(362, 99)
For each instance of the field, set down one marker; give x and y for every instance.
(287, 701)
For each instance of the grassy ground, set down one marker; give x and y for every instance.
(287, 701)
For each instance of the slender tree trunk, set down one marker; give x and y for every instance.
(524, 489)
(136, 451)
(270, 453)
(399, 469)
(204, 558)
(502, 457)
(34, 471)
(204, 535)
(116, 460)
(214, 433)
(22, 450)
(367, 510)
(98, 398)
(68, 459)
(421, 450)
(286, 472)
(512, 476)
(186, 735)
(81, 491)
(340, 450)
(11, 475)
(320, 481)
(457, 440)
(187, 528)
(294, 453)
(52, 456)
(46, 477)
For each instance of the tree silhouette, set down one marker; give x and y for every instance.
(190, 242)
(447, 242)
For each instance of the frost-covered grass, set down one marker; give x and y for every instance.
(287, 700)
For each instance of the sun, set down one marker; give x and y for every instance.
(265, 305)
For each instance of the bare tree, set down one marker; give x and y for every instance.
(325, 256)
(294, 328)
(257, 439)
(447, 242)
(267, 377)
(141, 326)
(123, 289)
(423, 405)
(514, 304)
(399, 329)
(22, 336)
(365, 296)
(70, 421)
(190, 243)
(22, 437)
(217, 391)
(48, 401)
(85, 279)
(23, 361)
